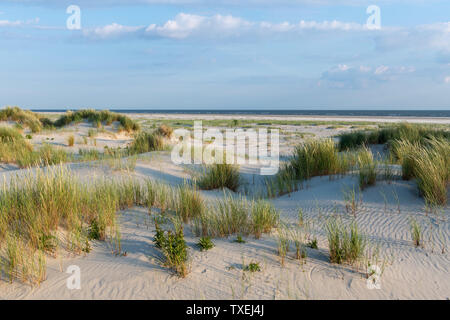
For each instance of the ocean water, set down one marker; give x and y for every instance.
(354, 113)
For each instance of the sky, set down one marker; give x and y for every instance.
(225, 54)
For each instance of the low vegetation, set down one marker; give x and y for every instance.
(310, 159)
(346, 244)
(405, 131)
(147, 141)
(367, 168)
(236, 215)
(252, 267)
(174, 249)
(97, 118)
(219, 176)
(429, 164)
(22, 117)
(205, 244)
(36, 123)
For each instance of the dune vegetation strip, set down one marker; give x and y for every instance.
(429, 164)
(310, 159)
(97, 118)
(404, 131)
(22, 118)
(48, 210)
(422, 152)
(14, 148)
(36, 122)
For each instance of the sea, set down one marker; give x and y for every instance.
(353, 113)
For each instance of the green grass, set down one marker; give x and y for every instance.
(97, 118)
(416, 232)
(147, 141)
(346, 244)
(235, 215)
(189, 203)
(22, 117)
(219, 176)
(404, 131)
(367, 168)
(264, 217)
(310, 159)
(34, 207)
(429, 163)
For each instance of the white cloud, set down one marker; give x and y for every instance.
(111, 31)
(105, 3)
(349, 77)
(18, 23)
(218, 26)
(447, 79)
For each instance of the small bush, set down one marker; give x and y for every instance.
(205, 243)
(313, 244)
(174, 249)
(252, 267)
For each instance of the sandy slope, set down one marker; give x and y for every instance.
(420, 273)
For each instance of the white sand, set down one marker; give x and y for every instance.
(412, 273)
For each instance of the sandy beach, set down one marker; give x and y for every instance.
(383, 217)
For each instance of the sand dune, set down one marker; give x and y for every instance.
(410, 273)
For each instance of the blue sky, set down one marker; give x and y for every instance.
(225, 54)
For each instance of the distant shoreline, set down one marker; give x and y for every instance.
(307, 113)
(288, 119)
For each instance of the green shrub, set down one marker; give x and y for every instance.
(252, 267)
(174, 249)
(205, 243)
